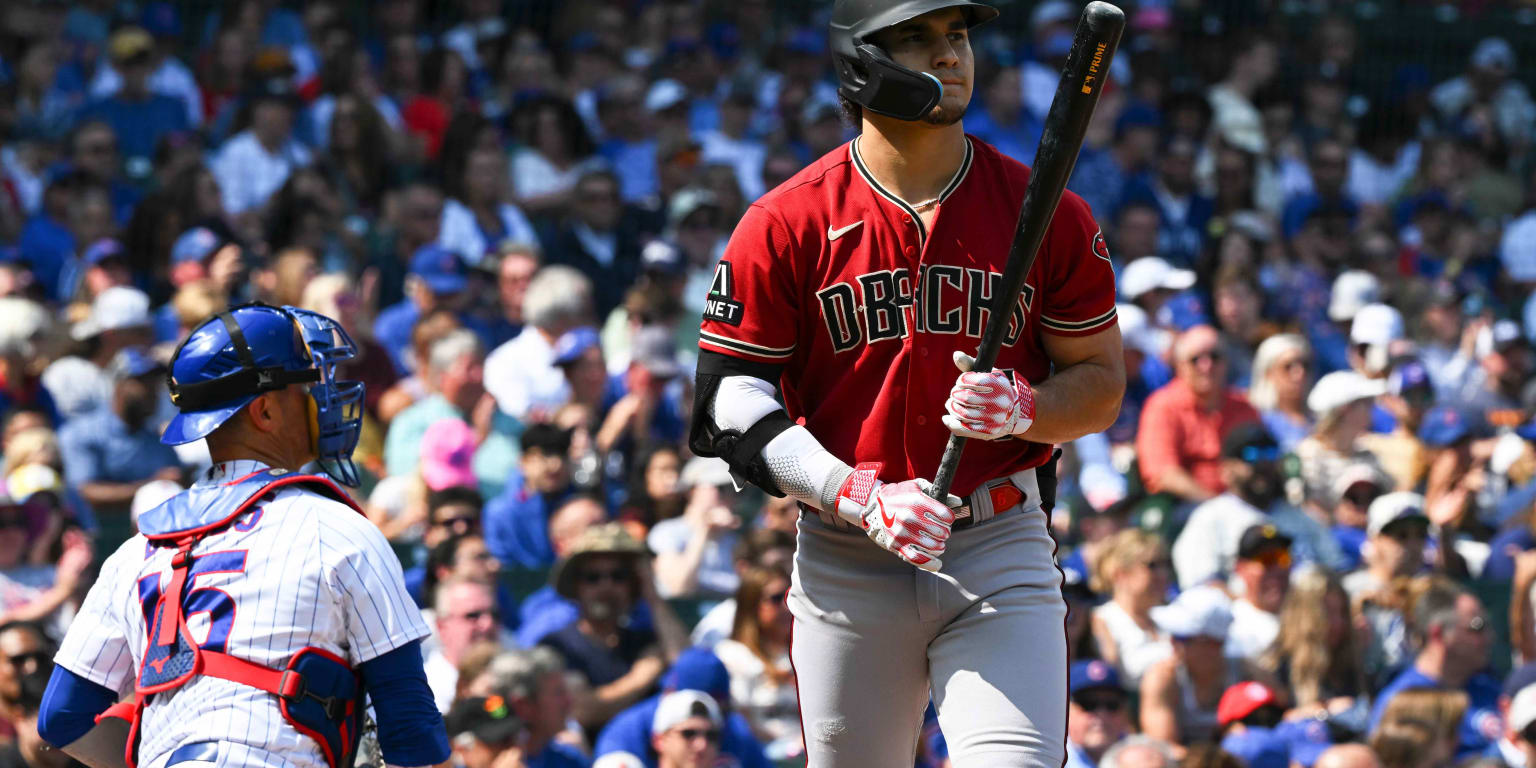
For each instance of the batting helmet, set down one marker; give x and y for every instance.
(242, 352)
(867, 76)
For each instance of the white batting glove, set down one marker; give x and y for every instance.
(900, 517)
(988, 406)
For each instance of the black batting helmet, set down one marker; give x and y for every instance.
(867, 76)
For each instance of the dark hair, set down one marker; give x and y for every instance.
(547, 439)
(458, 145)
(442, 556)
(457, 494)
(525, 124)
(853, 114)
(372, 147)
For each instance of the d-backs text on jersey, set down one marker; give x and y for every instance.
(880, 306)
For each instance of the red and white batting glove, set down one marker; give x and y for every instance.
(988, 406)
(900, 517)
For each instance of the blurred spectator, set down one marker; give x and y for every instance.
(517, 521)
(485, 733)
(521, 373)
(1097, 716)
(1184, 211)
(1282, 366)
(464, 557)
(1504, 365)
(654, 492)
(1348, 756)
(1145, 349)
(332, 295)
(693, 551)
(1135, 571)
(27, 652)
(254, 163)
(546, 610)
(553, 152)
(138, 115)
(597, 237)
(1317, 656)
(466, 614)
(1357, 488)
(1184, 423)
(535, 689)
(451, 511)
(606, 574)
(110, 452)
(1458, 458)
(686, 730)
(1454, 637)
(1439, 709)
(437, 280)
(1342, 403)
(1401, 453)
(1263, 569)
(1139, 751)
(1397, 530)
(1179, 694)
(407, 390)
(514, 273)
(1327, 166)
(760, 548)
(626, 741)
(38, 590)
(1488, 84)
(757, 656)
(478, 215)
(454, 371)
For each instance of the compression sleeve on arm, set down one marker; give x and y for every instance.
(796, 460)
(70, 706)
(410, 728)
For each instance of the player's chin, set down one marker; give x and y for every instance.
(948, 111)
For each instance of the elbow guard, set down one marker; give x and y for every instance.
(70, 706)
(410, 728)
(738, 438)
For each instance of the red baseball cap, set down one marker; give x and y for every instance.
(1242, 700)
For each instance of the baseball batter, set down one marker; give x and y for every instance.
(848, 293)
(253, 611)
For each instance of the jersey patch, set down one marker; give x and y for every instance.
(1100, 248)
(718, 306)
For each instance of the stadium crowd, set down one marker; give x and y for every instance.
(1309, 539)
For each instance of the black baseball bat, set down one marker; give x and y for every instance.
(1082, 80)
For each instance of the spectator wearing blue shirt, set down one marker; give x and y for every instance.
(1328, 165)
(696, 669)
(438, 279)
(93, 151)
(1001, 120)
(517, 521)
(535, 687)
(1455, 637)
(110, 452)
(545, 610)
(139, 117)
(1185, 212)
(47, 241)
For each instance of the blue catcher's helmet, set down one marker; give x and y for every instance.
(238, 354)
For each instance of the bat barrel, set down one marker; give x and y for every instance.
(1077, 93)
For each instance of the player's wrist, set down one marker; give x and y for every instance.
(857, 491)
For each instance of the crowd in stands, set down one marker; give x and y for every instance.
(1308, 540)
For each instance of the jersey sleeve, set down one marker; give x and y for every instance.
(97, 645)
(752, 309)
(1079, 279)
(364, 574)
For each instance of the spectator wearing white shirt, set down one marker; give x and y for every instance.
(521, 374)
(730, 144)
(257, 161)
(1264, 570)
(554, 151)
(477, 217)
(693, 551)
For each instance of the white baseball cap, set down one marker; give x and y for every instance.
(678, 706)
(114, 309)
(1149, 273)
(1522, 708)
(1352, 291)
(1517, 250)
(1203, 611)
(1341, 388)
(1136, 330)
(1392, 507)
(664, 94)
(1376, 324)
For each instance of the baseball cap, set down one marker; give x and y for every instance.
(654, 350)
(664, 94)
(1499, 337)
(678, 706)
(1376, 324)
(661, 257)
(1092, 674)
(1445, 425)
(132, 362)
(1408, 376)
(1308, 738)
(1250, 442)
(448, 455)
(1258, 748)
(574, 343)
(698, 669)
(1493, 52)
(1242, 700)
(195, 244)
(1202, 611)
(1356, 474)
(1259, 538)
(101, 250)
(129, 44)
(1340, 388)
(487, 718)
(441, 269)
(1522, 708)
(1137, 331)
(1150, 273)
(1353, 290)
(688, 201)
(1392, 507)
(114, 309)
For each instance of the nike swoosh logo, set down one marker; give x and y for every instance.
(886, 517)
(833, 234)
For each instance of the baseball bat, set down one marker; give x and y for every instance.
(1082, 80)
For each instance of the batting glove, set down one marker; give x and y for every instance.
(988, 406)
(900, 517)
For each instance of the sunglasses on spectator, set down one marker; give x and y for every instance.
(21, 659)
(478, 615)
(708, 734)
(1213, 356)
(1361, 498)
(1254, 454)
(613, 575)
(459, 522)
(1100, 703)
(1407, 529)
(1273, 557)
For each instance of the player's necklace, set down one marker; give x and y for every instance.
(929, 203)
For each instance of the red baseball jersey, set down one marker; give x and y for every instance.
(836, 279)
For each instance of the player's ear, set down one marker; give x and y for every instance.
(263, 412)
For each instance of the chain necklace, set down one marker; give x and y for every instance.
(924, 204)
